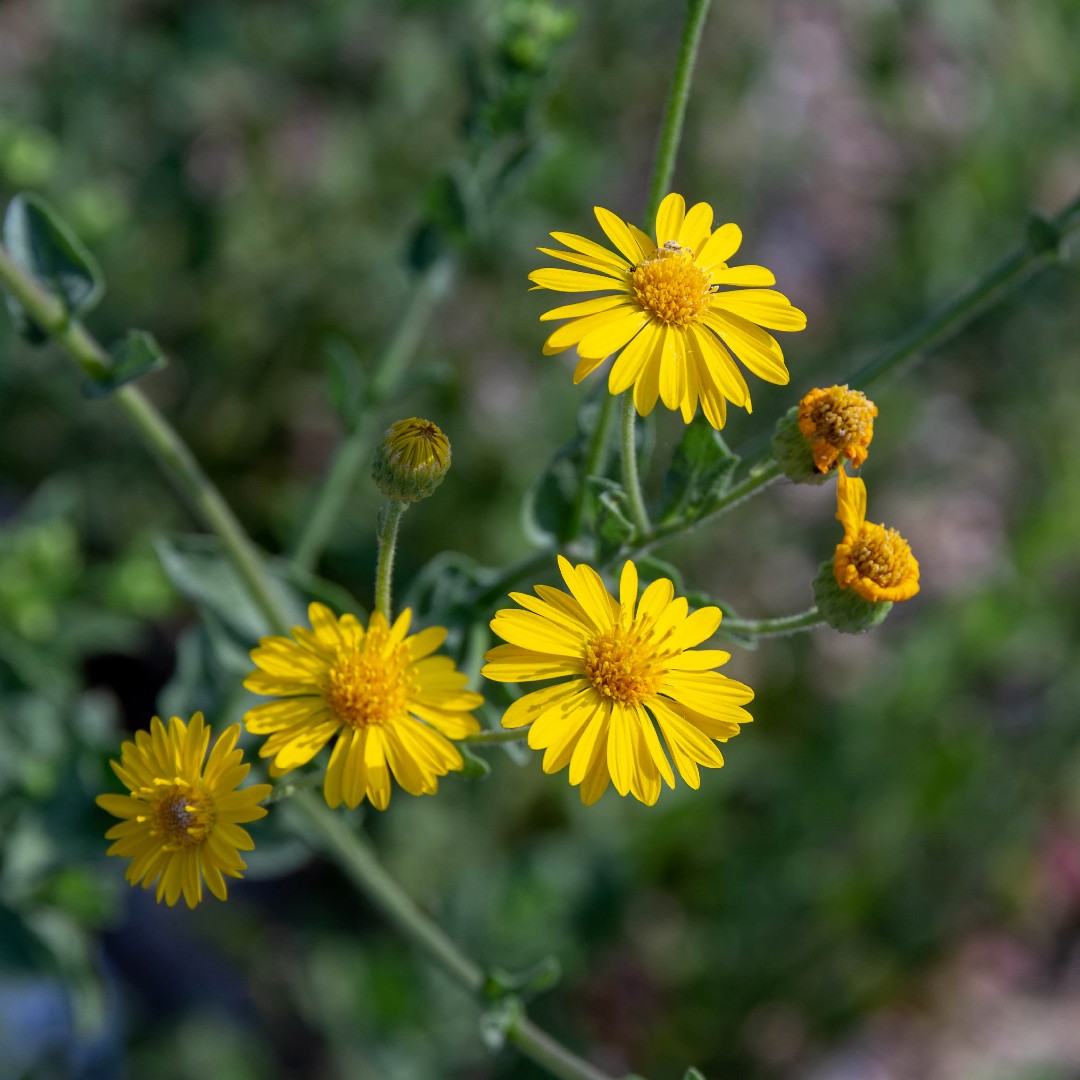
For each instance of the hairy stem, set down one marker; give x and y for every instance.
(631, 479)
(778, 627)
(389, 520)
(675, 109)
(595, 462)
(355, 450)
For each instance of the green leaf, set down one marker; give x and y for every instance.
(551, 503)
(40, 242)
(650, 569)
(701, 470)
(497, 1022)
(543, 975)
(475, 768)
(614, 527)
(134, 356)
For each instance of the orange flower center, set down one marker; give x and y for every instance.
(670, 286)
(881, 555)
(622, 666)
(368, 687)
(180, 814)
(838, 422)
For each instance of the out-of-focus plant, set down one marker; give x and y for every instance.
(630, 696)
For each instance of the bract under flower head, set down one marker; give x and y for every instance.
(628, 667)
(393, 706)
(181, 822)
(874, 561)
(677, 315)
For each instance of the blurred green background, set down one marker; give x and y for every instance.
(884, 882)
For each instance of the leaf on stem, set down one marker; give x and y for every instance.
(701, 470)
(40, 242)
(137, 354)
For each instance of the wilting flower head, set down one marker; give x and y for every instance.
(873, 561)
(628, 667)
(838, 423)
(412, 460)
(392, 705)
(677, 312)
(181, 822)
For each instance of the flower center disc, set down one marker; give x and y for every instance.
(670, 287)
(881, 555)
(621, 666)
(367, 688)
(182, 816)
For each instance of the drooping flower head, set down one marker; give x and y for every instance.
(627, 668)
(838, 423)
(874, 561)
(677, 311)
(181, 822)
(412, 460)
(393, 706)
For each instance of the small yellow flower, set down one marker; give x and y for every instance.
(181, 823)
(677, 314)
(838, 423)
(412, 460)
(874, 561)
(620, 661)
(392, 705)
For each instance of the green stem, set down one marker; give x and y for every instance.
(675, 109)
(595, 461)
(354, 453)
(493, 738)
(363, 869)
(161, 438)
(631, 479)
(778, 627)
(389, 520)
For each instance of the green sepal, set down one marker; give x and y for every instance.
(700, 471)
(542, 976)
(792, 451)
(137, 354)
(844, 609)
(40, 242)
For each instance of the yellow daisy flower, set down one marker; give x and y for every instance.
(181, 822)
(874, 561)
(620, 661)
(677, 315)
(392, 705)
(838, 423)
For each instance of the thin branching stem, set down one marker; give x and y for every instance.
(780, 626)
(631, 479)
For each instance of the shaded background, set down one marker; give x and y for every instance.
(885, 879)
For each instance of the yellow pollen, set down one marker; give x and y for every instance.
(881, 555)
(621, 666)
(181, 815)
(670, 287)
(838, 422)
(368, 687)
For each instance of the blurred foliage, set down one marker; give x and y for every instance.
(261, 184)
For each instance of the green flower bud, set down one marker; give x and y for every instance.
(412, 460)
(844, 609)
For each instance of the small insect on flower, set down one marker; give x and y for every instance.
(678, 314)
(181, 822)
(627, 667)
(873, 561)
(393, 706)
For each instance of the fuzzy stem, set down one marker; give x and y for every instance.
(389, 520)
(631, 479)
(675, 109)
(777, 627)
(595, 461)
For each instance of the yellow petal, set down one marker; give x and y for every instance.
(720, 246)
(583, 308)
(589, 247)
(743, 275)
(605, 340)
(765, 307)
(631, 361)
(621, 236)
(696, 226)
(575, 281)
(756, 349)
(669, 220)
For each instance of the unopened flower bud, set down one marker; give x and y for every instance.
(412, 460)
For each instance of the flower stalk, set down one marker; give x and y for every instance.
(389, 520)
(630, 475)
(781, 626)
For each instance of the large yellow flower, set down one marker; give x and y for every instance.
(392, 705)
(181, 823)
(677, 314)
(874, 561)
(620, 661)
